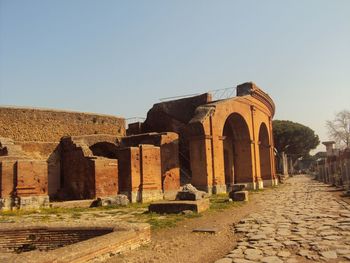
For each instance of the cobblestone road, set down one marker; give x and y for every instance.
(302, 222)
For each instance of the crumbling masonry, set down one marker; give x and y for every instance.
(50, 155)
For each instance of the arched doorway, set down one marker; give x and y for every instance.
(105, 149)
(237, 151)
(264, 152)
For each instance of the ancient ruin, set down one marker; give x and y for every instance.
(50, 155)
(334, 167)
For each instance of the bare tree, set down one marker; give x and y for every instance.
(339, 128)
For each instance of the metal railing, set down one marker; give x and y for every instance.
(217, 94)
(221, 94)
(134, 119)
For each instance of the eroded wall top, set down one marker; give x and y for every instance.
(29, 124)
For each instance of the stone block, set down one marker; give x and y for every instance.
(33, 202)
(6, 203)
(171, 207)
(148, 196)
(239, 196)
(121, 200)
(189, 192)
(238, 187)
(191, 196)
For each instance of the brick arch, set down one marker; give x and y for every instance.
(264, 152)
(210, 171)
(237, 150)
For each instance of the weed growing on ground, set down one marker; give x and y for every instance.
(76, 215)
(221, 202)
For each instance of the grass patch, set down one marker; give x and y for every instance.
(123, 212)
(61, 210)
(160, 221)
(45, 218)
(11, 213)
(163, 221)
(256, 191)
(6, 220)
(76, 215)
(98, 215)
(221, 202)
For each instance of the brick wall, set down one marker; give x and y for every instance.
(8, 174)
(43, 238)
(106, 177)
(169, 151)
(25, 177)
(31, 178)
(85, 176)
(78, 175)
(25, 124)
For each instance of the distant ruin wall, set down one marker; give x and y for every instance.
(25, 124)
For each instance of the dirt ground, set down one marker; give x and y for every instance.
(172, 236)
(169, 243)
(180, 244)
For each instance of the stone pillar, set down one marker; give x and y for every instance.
(272, 155)
(129, 173)
(7, 179)
(140, 173)
(219, 184)
(257, 180)
(32, 184)
(151, 177)
(201, 163)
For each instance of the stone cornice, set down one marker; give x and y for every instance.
(250, 88)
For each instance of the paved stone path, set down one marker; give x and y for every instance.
(303, 222)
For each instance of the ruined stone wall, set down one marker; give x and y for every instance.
(84, 176)
(31, 178)
(140, 173)
(50, 152)
(78, 180)
(26, 124)
(169, 151)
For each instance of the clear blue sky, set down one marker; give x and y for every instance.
(120, 57)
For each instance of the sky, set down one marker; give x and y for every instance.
(121, 57)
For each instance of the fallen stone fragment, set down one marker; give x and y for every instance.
(271, 259)
(224, 260)
(284, 254)
(269, 252)
(332, 237)
(236, 255)
(253, 254)
(121, 200)
(189, 192)
(292, 260)
(257, 237)
(238, 187)
(328, 233)
(239, 196)
(206, 230)
(291, 244)
(329, 254)
(242, 260)
(343, 251)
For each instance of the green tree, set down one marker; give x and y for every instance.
(294, 138)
